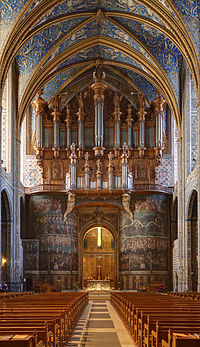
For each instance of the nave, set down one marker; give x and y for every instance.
(100, 325)
(70, 319)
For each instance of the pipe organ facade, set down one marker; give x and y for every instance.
(99, 140)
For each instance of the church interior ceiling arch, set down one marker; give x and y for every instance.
(55, 42)
(102, 91)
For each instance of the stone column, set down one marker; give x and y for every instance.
(141, 115)
(110, 171)
(39, 105)
(56, 126)
(181, 217)
(124, 157)
(117, 115)
(73, 166)
(87, 172)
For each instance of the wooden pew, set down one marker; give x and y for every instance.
(60, 311)
(168, 311)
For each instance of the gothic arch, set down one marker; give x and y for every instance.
(5, 238)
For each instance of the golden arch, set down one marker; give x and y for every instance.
(81, 235)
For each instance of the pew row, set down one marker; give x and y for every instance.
(49, 317)
(152, 319)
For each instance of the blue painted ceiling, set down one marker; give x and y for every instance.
(67, 33)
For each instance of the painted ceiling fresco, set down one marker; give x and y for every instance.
(55, 41)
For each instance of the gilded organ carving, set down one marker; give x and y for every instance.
(99, 140)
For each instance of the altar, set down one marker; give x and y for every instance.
(98, 284)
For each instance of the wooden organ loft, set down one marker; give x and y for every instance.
(99, 141)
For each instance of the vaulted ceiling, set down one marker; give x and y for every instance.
(141, 44)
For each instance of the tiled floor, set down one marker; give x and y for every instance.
(100, 325)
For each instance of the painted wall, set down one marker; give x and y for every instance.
(58, 257)
(144, 242)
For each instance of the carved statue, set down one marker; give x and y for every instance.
(86, 167)
(73, 149)
(126, 199)
(39, 104)
(70, 205)
(80, 112)
(129, 118)
(142, 99)
(56, 101)
(98, 171)
(125, 148)
(159, 103)
(99, 74)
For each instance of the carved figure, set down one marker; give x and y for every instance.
(126, 199)
(56, 170)
(70, 205)
(39, 104)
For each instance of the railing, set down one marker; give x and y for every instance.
(63, 188)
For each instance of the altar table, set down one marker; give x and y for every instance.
(98, 284)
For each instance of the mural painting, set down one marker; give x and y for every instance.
(31, 255)
(58, 238)
(144, 240)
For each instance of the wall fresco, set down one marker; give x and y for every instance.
(144, 241)
(58, 238)
(31, 255)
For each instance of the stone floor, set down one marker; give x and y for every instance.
(100, 325)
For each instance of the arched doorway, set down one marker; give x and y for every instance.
(192, 227)
(98, 255)
(5, 238)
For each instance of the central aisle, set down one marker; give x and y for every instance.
(100, 325)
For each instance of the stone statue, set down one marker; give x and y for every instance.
(126, 199)
(70, 205)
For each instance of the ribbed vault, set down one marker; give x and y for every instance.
(142, 43)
